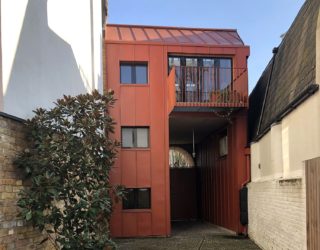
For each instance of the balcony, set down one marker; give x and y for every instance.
(214, 87)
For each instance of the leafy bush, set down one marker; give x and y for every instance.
(68, 164)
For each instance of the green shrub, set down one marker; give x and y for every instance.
(67, 165)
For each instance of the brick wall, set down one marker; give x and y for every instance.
(277, 214)
(14, 232)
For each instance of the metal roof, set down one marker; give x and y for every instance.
(172, 35)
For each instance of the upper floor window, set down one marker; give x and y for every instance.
(135, 137)
(134, 72)
(203, 74)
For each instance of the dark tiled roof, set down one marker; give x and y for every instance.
(256, 101)
(294, 72)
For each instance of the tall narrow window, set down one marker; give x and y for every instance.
(135, 137)
(223, 144)
(137, 198)
(134, 72)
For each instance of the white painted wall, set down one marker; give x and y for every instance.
(49, 48)
(282, 151)
(277, 214)
(276, 193)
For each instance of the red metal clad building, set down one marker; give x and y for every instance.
(184, 89)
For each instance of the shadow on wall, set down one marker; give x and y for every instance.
(44, 67)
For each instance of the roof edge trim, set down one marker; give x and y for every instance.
(303, 96)
(176, 44)
(168, 27)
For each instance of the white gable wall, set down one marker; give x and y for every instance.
(49, 48)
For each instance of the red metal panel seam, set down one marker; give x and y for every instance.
(237, 37)
(165, 113)
(146, 34)
(208, 33)
(200, 38)
(161, 38)
(119, 33)
(133, 35)
(186, 37)
(151, 165)
(173, 36)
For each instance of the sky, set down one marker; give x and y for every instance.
(260, 23)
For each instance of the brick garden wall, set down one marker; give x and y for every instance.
(277, 214)
(14, 232)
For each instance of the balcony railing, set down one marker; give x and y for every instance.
(208, 86)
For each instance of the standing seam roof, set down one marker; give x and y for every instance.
(172, 35)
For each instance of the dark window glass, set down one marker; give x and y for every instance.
(133, 72)
(137, 198)
(135, 137)
(225, 73)
(141, 73)
(126, 73)
(223, 143)
(130, 199)
(213, 74)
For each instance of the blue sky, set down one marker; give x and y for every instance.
(260, 23)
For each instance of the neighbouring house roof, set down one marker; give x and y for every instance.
(172, 35)
(289, 77)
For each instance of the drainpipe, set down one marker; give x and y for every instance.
(244, 192)
(247, 153)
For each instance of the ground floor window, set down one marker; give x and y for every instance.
(135, 137)
(137, 198)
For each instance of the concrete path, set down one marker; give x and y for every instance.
(190, 236)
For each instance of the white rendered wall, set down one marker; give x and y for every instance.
(49, 48)
(276, 193)
(282, 151)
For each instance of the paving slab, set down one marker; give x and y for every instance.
(190, 236)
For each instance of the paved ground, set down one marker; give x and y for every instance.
(190, 236)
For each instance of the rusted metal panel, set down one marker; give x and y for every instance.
(222, 177)
(171, 91)
(173, 35)
(313, 203)
(150, 105)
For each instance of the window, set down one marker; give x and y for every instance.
(137, 198)
(223, 145)
(212, 72)
(135, 137)
(134, 72)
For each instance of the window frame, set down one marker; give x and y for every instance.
(222, 136)
(136, 199)
(135, 137)
(200, 58)
(184, 57)
(133, 65)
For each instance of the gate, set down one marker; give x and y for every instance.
(183, 192)
(313, 203)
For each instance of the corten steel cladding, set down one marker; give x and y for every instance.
(149, 105)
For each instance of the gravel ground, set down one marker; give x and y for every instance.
(190, 236)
